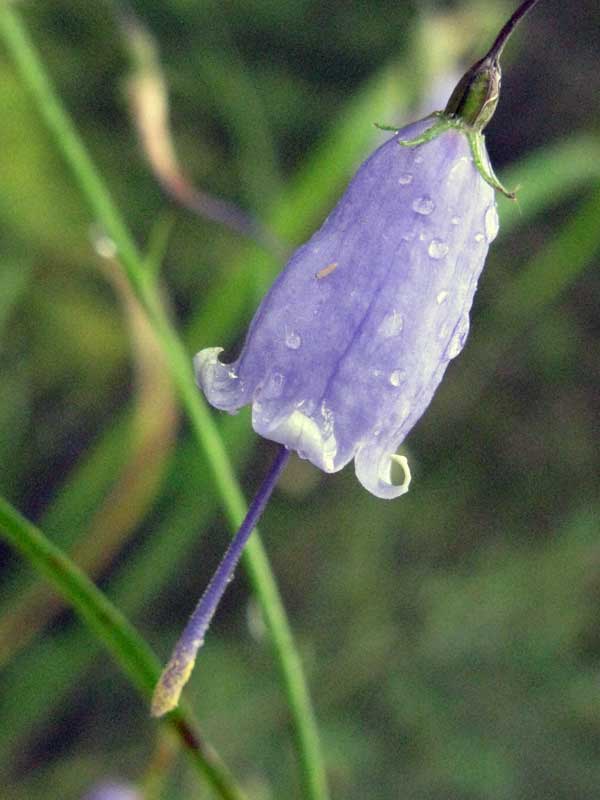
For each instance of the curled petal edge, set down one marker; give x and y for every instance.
(373, 467)
(218, 381)
(300, 433)
(297, 431)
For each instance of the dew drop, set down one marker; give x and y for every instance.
(328, 418)
(392, 324)
(292, 339)
(491, 223)
(442, 297)
(459, 167)
(418, 159)
(405, 179)
(307, 407)
(454, 348)
(479, 237)
(422, 236)
(459, 338)
(398, 418)
(274, 386)
(104, 246)
(444, 331)
(423, 205)
(455, 220)
(437, 249)
(397, 377)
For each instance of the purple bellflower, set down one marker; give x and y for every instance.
(348, 347)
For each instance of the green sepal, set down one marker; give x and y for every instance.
(482, 162)
(391, 128)
(476, 140)
(441, 125)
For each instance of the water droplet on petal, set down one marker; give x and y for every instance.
(392, 324)
(418, 159)
(455, 220)
(444, 331)
(479, 237)
(397, 377)
(405, 179)
(307, 406)
(423, 205)
(273, 386)
(292, 339)
(491, 223)
(459, 338)
(398, 418)
(328, 419)
(442, 297)
(437, 249)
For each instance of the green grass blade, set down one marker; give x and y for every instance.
(548, 176)
(133, 586)
(557, 265)
(109, 626)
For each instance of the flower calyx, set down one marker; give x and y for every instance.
(473, 102)
(444, 122)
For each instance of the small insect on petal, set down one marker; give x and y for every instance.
(323, 273)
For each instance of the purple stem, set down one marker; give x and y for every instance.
(178, 670)
(496, 49)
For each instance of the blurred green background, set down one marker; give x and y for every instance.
(451, 638)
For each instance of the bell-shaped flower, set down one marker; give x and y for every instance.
(348, 347)
(346, 350)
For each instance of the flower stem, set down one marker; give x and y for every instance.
(181, 663)
(496, 49)
(476, 95)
